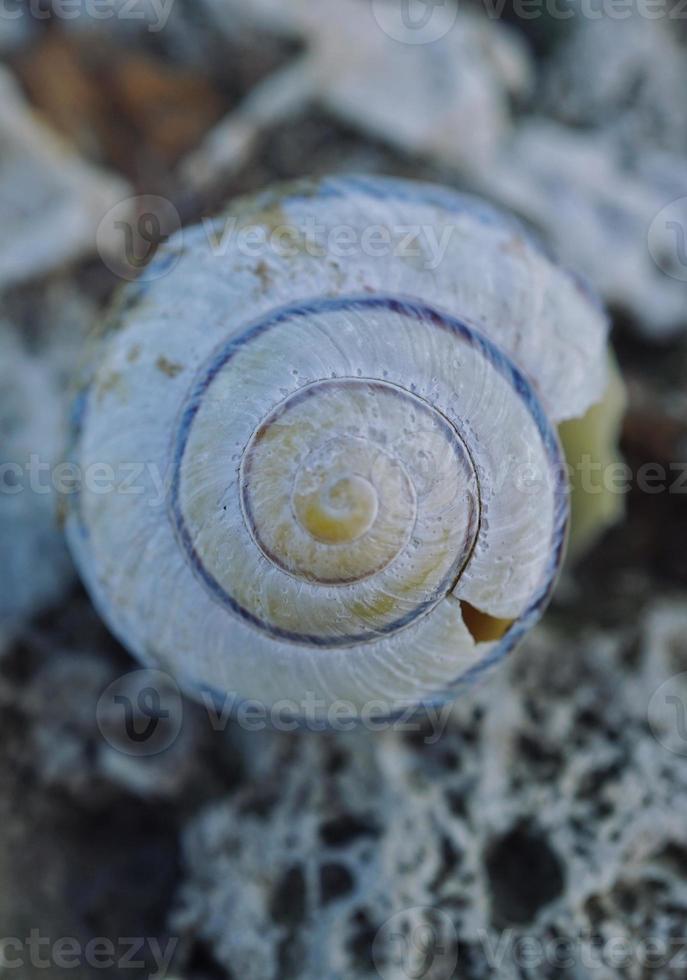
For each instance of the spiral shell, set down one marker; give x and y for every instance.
(351, 487)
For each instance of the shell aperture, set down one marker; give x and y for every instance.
(347, 471)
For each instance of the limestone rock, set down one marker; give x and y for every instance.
(545, 813)
(51, 201)
(615, 74)
(603, 215)
(448, 100)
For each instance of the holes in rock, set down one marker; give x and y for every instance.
(261, 805)
(202, 965)
(594, 910)
(291, 954)
(594, 782)
(457, 802)
(335, 882)
(288, 908)
(336, 760)
(589, 719)
(674, 857)
(525, 874)
(342, 830)
(481, 626)
(547, 761)
(534, 710)
(20, 662)
(288, 900)
(626, 897)
(450, 859)
(363, 934)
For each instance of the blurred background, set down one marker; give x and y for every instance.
(542, 834)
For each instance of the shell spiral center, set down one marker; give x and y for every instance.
(331, 508)
(325, 489)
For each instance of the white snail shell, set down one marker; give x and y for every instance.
(364, 499)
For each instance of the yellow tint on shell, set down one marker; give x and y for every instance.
(338, 512)
(590, 444)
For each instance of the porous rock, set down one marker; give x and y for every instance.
(547, 813)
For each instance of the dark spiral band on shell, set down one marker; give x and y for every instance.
(368, 304)
(454, 441)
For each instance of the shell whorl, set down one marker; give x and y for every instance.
(360, 502)
(351, 475)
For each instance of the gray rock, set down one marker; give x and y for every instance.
(36, 568)
(52, 203)
(623, 75)
(621, 221)
(78, 740)
(16, 28)
(447, 100)
(543, 829)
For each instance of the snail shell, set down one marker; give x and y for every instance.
(364, 499)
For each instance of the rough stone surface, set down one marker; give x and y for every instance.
(545, 810)
(35, 565)
(614, 73)
(14, 31)
(51, 201)
(586, 199)
(369, 71)
(599, 164)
